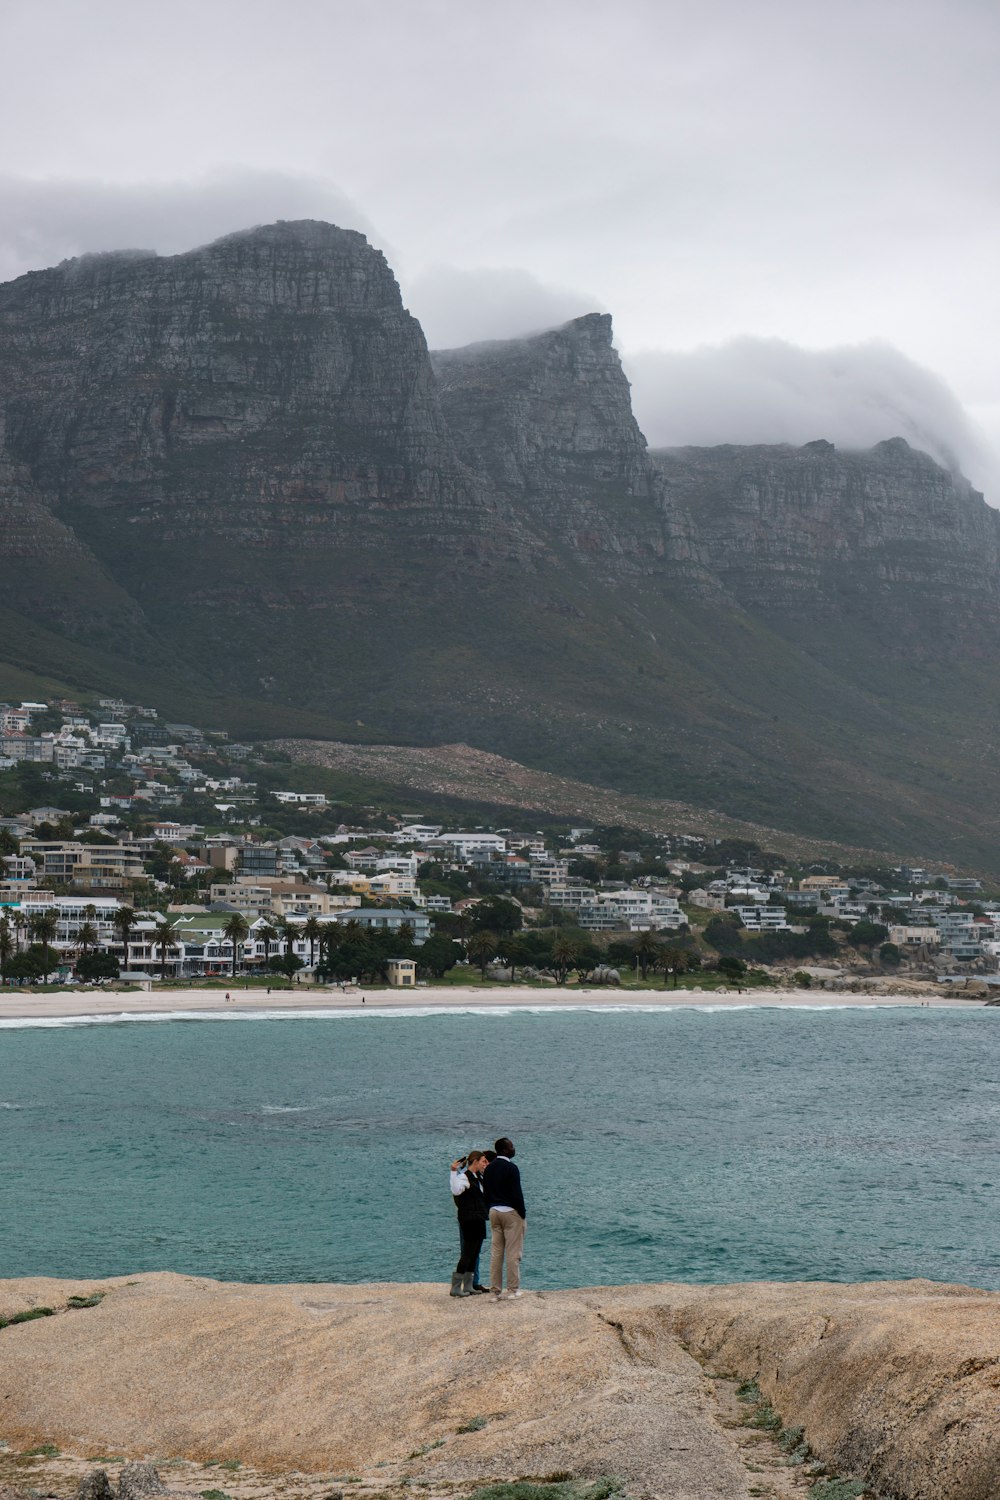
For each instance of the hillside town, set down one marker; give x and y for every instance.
(145, 851)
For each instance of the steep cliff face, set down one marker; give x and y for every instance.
(124, 373)
(549, 420)
(549, 414)
(885, 538)
(222, 422)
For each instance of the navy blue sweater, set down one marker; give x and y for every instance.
(502, 1184)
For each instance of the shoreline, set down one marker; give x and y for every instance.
(19, 1006)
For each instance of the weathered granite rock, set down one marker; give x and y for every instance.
(139, 1479)
(895, 1383)
(96, 1486)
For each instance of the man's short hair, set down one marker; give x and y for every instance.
(490, 1155)
(504, 1146)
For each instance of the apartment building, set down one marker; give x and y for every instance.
(84, 867)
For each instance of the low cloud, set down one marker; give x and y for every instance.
(749, 390)
(768, 391)
(458, 307)
(44, 222)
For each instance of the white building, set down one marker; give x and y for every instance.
(762, 918)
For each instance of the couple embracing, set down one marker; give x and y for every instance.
(486, 1185)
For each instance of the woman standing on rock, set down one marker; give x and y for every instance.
(467, 1191)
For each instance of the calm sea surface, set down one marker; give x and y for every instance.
(669, 1145)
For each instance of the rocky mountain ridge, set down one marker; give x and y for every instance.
(240, 472)
(849, 533)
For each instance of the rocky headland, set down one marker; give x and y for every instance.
(696, 1393)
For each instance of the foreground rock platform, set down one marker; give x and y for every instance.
(897, 1384)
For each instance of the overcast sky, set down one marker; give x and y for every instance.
(820, 174)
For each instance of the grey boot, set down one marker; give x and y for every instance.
(467, 1281)
(458, 1284)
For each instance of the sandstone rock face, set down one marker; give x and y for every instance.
(245, 448)
(546, 414)
(549, 420)
(267, 390)
(885, 538)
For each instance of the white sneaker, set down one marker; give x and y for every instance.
(511, 1295)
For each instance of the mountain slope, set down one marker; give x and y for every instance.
(235, 482)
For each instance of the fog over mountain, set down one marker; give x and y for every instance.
(45, 222)
(748, 390)
(770, 391)
(458, 306)
(822, 176)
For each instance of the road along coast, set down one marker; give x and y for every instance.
(393, 1386)
(315, 1000)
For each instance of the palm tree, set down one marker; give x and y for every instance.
(646, 951)
(673, 961)
(314, 932)
(87, 937)
(330, 940)
(564, 954)
(513, 951)
(7, 942)
(44, 924)
(290, 934)
(43, 927)
(123, 921)
(20, 926)
(481, 948)
(267, 935)
(164, 939)
(236, 930)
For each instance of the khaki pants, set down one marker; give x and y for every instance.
(508, 1242)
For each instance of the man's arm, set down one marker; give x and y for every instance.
(517, 1196)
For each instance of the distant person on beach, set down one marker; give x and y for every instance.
(467, 1191)
(508, 1218)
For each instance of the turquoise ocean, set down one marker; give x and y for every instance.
(695, 1145)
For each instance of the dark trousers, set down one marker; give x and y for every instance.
(472, 1233)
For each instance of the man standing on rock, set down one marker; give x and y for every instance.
(505, 1201)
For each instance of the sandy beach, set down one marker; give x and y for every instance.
(20, 1005)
